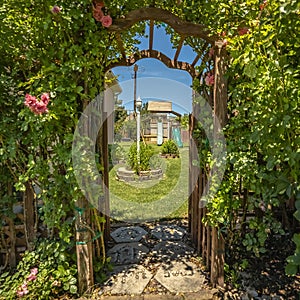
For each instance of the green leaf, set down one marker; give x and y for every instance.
(73, 280)
(297, 204)
(291, 269)
(282, 185)
(296, 239)
(250, 70)
(297, 215)
(73, 289)
(79, 89)
(270, 163)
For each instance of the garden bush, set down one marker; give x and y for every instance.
(44, 273)
(146, 152)
(169, 147)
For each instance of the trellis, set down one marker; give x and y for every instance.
(207, 240)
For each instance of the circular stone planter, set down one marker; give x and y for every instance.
(169, 155)
(124, 174)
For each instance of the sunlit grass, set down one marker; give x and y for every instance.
(152, 199)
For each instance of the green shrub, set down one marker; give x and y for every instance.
(146, 152)
(44, 273)
(116, 153)
(169, 147)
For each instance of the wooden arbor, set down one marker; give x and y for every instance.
(206, 239)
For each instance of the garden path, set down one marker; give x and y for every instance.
(154, 261)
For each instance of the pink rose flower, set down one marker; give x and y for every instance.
(98, 14)
(243, 30)
(31, 277)
(45, 99)
(209, 79)
(37, 107)
(40, 108)
(22, 290)
(106, 21)
(29, 100)
(20, 293)
(55, 9)
(34, 271)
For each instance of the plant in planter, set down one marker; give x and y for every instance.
(170, 148)
(146, 152)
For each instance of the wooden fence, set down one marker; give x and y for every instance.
(207, 240)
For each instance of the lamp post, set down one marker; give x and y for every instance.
(138, 129)
(135, 69)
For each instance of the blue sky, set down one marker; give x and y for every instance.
(154, 80)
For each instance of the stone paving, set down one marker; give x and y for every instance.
(154, 260)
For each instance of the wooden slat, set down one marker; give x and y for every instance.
(193, 179)
(221, 260)
(208, 246)
(217, 258)
(158, 55)
(220, 88)
(106, 177)
(195, 60)
(12, 244)
(29, 215)
(190, 174)
(213, 267)
(199, 225)
(151, 35)
(203, 238)
(179, 48)
(158, 14)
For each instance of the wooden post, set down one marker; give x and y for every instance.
(29, 215)
(208, 245)
(190, 209)
(84, 247)
(220, 120)
(220, 87)
(217, 258)
(12, 261)
(105, 178)
(194, 179)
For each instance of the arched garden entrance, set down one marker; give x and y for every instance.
(211, 53)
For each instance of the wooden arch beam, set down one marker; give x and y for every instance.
(157, 14)
(158, 55)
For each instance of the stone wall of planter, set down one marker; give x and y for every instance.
(124, 174)
(169, 156)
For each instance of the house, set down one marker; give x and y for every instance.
(160, 120)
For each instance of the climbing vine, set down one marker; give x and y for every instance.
(53, 57)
